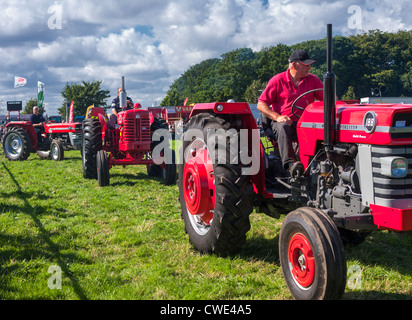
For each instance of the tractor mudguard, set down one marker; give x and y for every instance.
(28, 127)
(93, 112)
(151, 118)
(104, 123)
(242, 111)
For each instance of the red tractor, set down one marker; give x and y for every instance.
(357, 179)
(134, 138)
(20, 139)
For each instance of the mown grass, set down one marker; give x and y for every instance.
(127, 242)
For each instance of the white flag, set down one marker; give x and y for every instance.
(40, 93)
(19, 82)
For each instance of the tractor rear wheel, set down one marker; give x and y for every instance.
(103, 174)
(216, 200)
(92, 143)
(57, 150)
(312, 255)
(16, 144)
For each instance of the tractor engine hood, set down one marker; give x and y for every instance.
(377, 124)
(368, 124)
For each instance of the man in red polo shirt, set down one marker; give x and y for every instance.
(276, 101)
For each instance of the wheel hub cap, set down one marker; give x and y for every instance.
(13, 145)
(198, 185)
(301, 260)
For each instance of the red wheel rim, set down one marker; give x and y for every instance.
(198, 187)
(301, 260)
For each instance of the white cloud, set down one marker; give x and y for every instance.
(152, 43)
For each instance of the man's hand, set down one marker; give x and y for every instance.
(284, 119)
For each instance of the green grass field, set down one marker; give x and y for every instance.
(127, 242)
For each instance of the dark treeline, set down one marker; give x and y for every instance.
(360, 62)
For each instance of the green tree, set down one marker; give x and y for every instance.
(84, 95)
(271, 61)
(360, 62)
(171, 99)
(28, 108)
(349, 95)
(254, 91)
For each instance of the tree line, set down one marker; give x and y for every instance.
(361, 62)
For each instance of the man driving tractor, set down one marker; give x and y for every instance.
(276, 100)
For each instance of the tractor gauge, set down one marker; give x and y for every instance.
(369, 122)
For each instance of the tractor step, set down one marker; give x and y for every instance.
(279, 194)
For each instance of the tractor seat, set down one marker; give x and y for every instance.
(267, 128)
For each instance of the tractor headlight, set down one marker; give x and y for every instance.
(394, 167)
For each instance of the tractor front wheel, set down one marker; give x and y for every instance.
(169, 169)
(312, 255)
(103, 174)
(56, 150)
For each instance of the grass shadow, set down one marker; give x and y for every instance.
(260, 248)
(53, 248)
(127, 179)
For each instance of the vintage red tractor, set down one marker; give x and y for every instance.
(21, 139)
(357, 179)
(134, 138)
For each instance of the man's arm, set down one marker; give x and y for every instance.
(269, 113)
(33, 120)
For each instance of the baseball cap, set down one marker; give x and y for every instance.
(302, 56)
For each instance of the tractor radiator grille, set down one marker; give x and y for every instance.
(388, 190)
(402, 126)
(136, 129)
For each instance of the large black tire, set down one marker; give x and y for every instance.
(56, 150)
(154, 170)
(312, 255)
(103, 174)
(92, 143)
(216, 200)
(166, 171)
(16, 144)
(169, 174)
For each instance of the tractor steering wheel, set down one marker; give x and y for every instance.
(294, 106)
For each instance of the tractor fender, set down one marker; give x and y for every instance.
(238, 108)
(242, 114)
(28, 127)
(104, 123)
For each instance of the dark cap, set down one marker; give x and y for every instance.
(302, 56)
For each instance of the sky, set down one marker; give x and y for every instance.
(151, 43)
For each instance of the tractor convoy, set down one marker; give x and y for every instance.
(357, 177)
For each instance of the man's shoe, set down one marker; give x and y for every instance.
(296, 169)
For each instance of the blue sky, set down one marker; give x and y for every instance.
(152, 43)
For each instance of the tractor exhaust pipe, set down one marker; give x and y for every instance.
(123, 96)
(329, 94)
